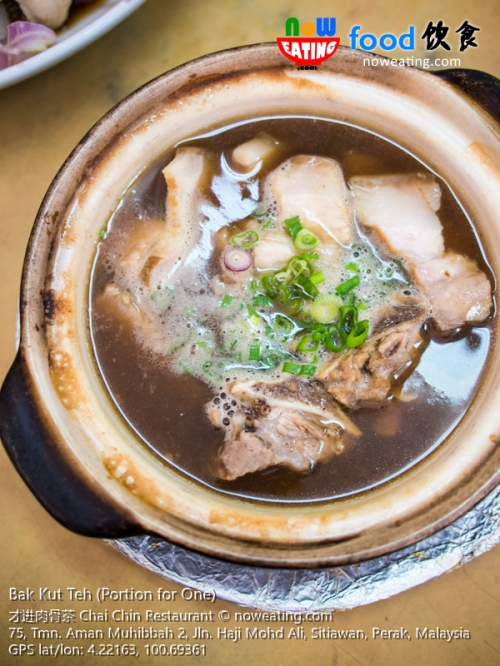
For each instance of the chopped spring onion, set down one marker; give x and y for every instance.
(246, 239)
(326, 308)
(206, 366)
(253, 316)
(270, 285)
(352, 266)
(254, 353)
(296, 305)
(310, 290)
(294, 226)
(317, 278)
(348, 318)
(345, 287)
(261, 301)
(335, 339)
(102, 233)
(283, 323)
(297, 369)
(226, 301)
(358, 334)
(298, 266)
(310, 256)
(305, 240)
(308, 344)
(285, 298)
(267, 224)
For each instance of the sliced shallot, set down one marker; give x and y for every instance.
(237, 259)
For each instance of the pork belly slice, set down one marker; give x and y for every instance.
(293, 423)
(314, 188)
(273, 251)
(185, 176)
(366, 373)
(457, 290)
(247, 155)
(401, 210)
(134, 315)
(51, 13)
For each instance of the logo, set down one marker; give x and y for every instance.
(309, 50)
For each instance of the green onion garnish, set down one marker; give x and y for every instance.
(254, 353)
(293, 225)
(358, 334)
(310, 256)
(326, 308)
(267, 224)
(308, 344)
(305, 240)
(345, 287)
(270, 285)
(351, 266)
(309, 288)
(317, 278)
(296, 305)
(307, 370)
(348, 318)
(226, 301)
(297, 369)
(246, 239)
(335, 339)
(102, 233)
(283, 323)
(206, 366)
(261, 301)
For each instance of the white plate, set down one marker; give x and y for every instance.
(83, 32)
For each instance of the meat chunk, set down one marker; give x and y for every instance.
(294, 423)
(314, 188)
(185, 176)
(141, 241)
(248, 155)
(402, 211)
(51, 13)
(366, 374)
(134, 314)
(458, 291)
(273, 251)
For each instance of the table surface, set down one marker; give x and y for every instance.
(40, 121)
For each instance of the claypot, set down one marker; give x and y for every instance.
(58, 422)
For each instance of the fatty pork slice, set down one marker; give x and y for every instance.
(51, 13)
(366, 373)
(248, 155)
(273, 251)
(185, 175)
(457, 290)
(401, 209)
(292, 423)
(314, 188)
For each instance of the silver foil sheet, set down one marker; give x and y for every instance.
(329, 588)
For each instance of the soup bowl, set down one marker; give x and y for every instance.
(58, 421)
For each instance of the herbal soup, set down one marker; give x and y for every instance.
(290, 309)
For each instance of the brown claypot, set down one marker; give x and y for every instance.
(58, 422)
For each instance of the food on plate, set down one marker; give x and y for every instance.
(27, 27)
(267, 315)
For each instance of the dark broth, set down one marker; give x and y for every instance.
(167, 410)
